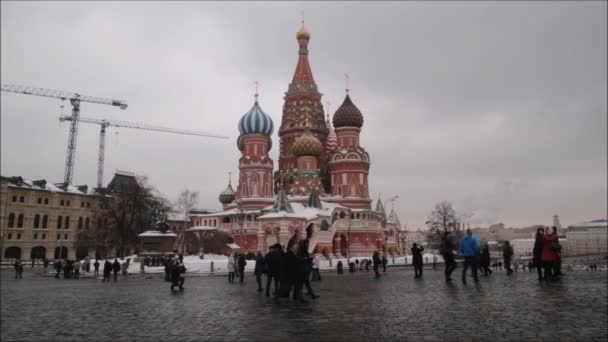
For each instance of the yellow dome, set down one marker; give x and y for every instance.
(303, 33)
(307, 145)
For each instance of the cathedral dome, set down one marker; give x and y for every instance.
(303, 33)
(348, 115)
(255, 121)
(228, 195)
(307, 145)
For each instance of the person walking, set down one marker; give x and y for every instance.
(557, 247)
(417, 260)
(485, 260)
(549, 254)
(67, 269)
(384, 262)
(58, 267)
(316, 275)
(469, 249)
(107, 270)
(340, 267)
(272, 265)
(507, 254)
(367, 262)
(231, 268)
(259, 269)
(537, 252)
(18, 269)
(178, 273)
(46, 263)
(376, 260)
(241, 264)
(446, 249)
(96, 267)
(116, 268)
(76, 267)
(306, 263)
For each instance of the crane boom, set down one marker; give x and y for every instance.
(136, 125)
(62, 95)
(104, 123)
(75, 100)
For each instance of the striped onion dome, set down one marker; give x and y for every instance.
(255, 121)
(307, 145)
(228, 195)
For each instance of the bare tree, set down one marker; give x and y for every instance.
(129, 211)
(186, 201)
(442, 221)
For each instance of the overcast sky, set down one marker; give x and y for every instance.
(497, 107)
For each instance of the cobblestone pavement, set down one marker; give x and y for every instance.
(352, 307)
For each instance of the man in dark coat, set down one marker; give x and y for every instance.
(259, 270)
(339, 267)
(485, 260)
(507, 254)
(96, 266)
(376, 264)
(107, 270)
(241, 263)
(272, 264)
(384, 262)
(417, 259)
(116, 269)
(178, 276)
(305, 264)
(288, 271)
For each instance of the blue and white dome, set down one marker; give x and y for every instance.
(255, 121)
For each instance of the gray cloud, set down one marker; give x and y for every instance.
(498, 107)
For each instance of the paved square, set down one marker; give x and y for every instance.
(352, 307)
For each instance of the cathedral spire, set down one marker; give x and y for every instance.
(302, 78)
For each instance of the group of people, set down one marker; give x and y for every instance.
(287, 271)
(546, 253)
(175, 270)
(70, 268)
(236, 267)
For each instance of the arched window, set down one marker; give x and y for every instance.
(11, 220)
(358, 216)
(67, 222)
(80, 222)
(86, 223)
(324, 226)
(20, 221)
(342, 215)
(352, 216)
(37, 221)
(45, 221)
(59, 221)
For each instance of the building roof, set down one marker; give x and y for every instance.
(201, 228)
(348, 115)
(256, 121)
(156, 233)
(43, 185)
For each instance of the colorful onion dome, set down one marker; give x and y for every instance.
(303, 33)
(307, 145)
(228, 195)
(255, 121)
(348, 115)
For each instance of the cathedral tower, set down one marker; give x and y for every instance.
(255, 190)
(349, 164)
(302, 100)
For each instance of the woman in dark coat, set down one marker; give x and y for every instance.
(376, 262)
(259, 270)
(537, 252)
(485, 260)
(417, 259)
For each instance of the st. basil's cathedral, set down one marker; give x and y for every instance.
(321, 181)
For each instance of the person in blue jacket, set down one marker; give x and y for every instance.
(469, 248)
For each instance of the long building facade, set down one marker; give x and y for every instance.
(41, 220)
(321, 180)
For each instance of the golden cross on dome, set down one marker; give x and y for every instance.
(229, 178)
(347, 88)
(257, 95)
(327, 110)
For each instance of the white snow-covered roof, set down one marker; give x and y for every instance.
(596, 224)
(301, 211)
(201, 228)
(17, 182)
(157, 233)
(226, 213)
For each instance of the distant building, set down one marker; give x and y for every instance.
(415, 236)
(588, 238)
(556, 222)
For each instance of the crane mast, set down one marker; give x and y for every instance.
(104, 123)
(75, 100)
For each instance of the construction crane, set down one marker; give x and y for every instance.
(75, 100)
(104, 123)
